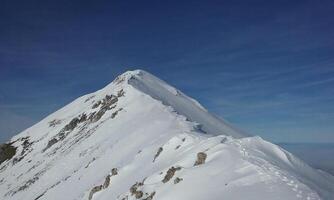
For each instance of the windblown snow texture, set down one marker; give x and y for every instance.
(140, 138)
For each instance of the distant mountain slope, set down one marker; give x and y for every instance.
(139, 138)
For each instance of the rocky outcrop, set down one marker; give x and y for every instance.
(105, 185)
(201, 157)
(170, 173)
(26, 147)
(134, 190)
(74, 122)
(177, 180)
(158, 153)
(114, 171)
(150, 197)
(54, 122)
(94, 190)
(120, 93)
(106, 182)
(66, 130)
(106, 104)
(7, 151)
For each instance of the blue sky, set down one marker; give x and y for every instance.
(265, 66)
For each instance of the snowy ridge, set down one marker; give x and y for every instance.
(182, 104)
(139, 138)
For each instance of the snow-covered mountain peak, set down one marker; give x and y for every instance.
(140, 138)
(168, 95)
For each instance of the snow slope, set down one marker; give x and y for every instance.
(139, 138)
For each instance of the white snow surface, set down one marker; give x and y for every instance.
(151, 117)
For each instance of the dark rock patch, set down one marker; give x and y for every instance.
(26, 184)
(94, 190)
(74, 122)
(90, 162)
(223, 140)
(201, 157)
(199, 128)
(120, 93)
(26, 148)
(54, 185)
(170, 173)
(114, 172)
(66, 130)
(105, 185)
(177, 180)
(158, 153)
(150, 197)
(51, 143)
(106, 182)
(139, 194)
(7, 152)
(113, 115)
(106, 104)
(97, 104)
(177, 147)
(134, 190)
(54, 122)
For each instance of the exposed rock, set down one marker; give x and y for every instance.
(158, 153)
(177, 147)
(50, 143)
(139, 194)
(65, 131)
(109, 100)
(27, 184)
(105, 185)
(114, 172)
(7, 151)
(170, 173)
(223, 140)
(94, 190)
(120, 93)
(125, 198)
(135, 191)
(150, 197)
(26, 147)
(95, 105)
(74, 122)
(107, 104)
(106, 182)
(177, 180)
(113, 115)
(90, 162)
(201, 157)
(54, 122)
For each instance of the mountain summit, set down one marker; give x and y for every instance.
(140, 138)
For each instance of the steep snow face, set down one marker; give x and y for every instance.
(139, 138)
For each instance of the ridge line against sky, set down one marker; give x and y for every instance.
(267, 67)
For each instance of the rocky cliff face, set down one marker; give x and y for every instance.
(139, 138)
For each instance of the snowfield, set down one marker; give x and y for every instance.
(140, 138)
